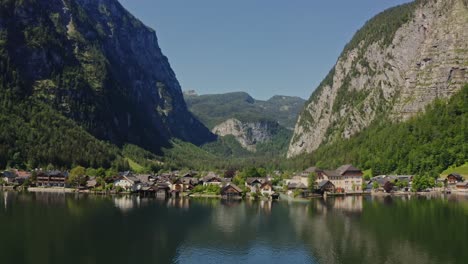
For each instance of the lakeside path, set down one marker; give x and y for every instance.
(51, 190)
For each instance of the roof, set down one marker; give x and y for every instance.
(266, 184)
(254, 179)
(144, 178)
(55, 173)
(404, 177)
(331, 173)
(126, 173)
(22, 174)
(235, 187)
(8, 174)
(322, 183)
(312, 169)
(189, 174)
(162, 186)
(457, 176)
(381, 180)
(296, 185)
(211, 176)
(91, 183)
(132, 179)
(347, 168)
(465, 183)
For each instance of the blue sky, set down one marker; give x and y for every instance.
(263, 47)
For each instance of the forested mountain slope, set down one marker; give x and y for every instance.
(426, 144)
(398, 63)
(89, 67)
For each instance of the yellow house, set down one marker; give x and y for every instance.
(346, 178)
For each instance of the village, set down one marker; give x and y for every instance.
(310, 183)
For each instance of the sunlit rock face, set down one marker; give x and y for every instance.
(400, 62)
(248, 134)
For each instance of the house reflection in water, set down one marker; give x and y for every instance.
(181, 203)
(126, 203)
(352, 204)
(348, 204)
(266, 206)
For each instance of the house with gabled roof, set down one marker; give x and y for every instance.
(267, 189)
(212, 179)
(346, 178)
(53, 178)
(454, 178)
(8, 177)
(231, 190)
(462, 186)
(326, 186)
(127, 181)
(254, 183)
(310, 170)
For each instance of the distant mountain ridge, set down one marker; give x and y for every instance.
(249, 121)
(213, 109)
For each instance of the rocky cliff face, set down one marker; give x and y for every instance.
(398, 63)
(248, 134)
(97, 64)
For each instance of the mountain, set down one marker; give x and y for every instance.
(248, 134)
(213, 109)
(95, 67)
(400, 62)
(251, 122)
(426, 145)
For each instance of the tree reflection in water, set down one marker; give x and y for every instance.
(59, 228)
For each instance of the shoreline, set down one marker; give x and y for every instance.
(283, 196)
(52, 190)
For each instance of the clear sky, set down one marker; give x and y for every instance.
(263, 47)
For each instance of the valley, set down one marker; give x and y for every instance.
(83, 93)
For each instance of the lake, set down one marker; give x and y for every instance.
(70, 228)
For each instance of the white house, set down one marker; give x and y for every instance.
(267, 189)
(128, 182)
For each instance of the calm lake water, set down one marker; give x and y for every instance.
(59, 228)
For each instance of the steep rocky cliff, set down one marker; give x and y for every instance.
(396, 65)
(248, 134)
(96, 64)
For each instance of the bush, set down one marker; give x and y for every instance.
(213, 189)
(198, 189)
(375, 185)
(297, 193)
(421, 183)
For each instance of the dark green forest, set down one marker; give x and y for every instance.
(32, 135)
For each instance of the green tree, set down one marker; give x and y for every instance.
(101, 172)
(422, 182)
(375, 185)
(238, 180)
(363, 186)
(311, 181)
(33, 177)
(77, 177)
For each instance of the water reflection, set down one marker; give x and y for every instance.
(59, 228)
(126, 203)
